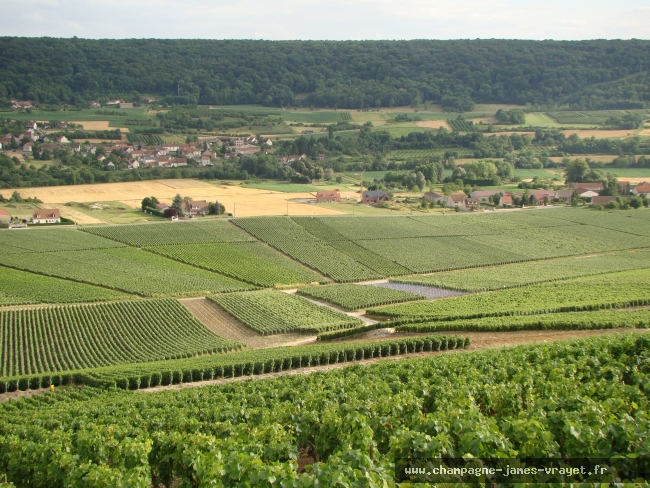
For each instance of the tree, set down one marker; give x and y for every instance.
(170, 212)
(329, 174)
(149, 202)
(636, 202)
(177, 203)
(15, 197)
(330, 132)
(216, 208)
(576, 170)
(420, 181)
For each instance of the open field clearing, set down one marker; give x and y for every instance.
(601, 134)
(106, 213)
(93, 124)
(599, 158)
(85, 336)
(243, 202)
(225, 325)
(433, 124)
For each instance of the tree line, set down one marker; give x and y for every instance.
(348, 74)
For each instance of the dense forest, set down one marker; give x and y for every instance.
(597, 74)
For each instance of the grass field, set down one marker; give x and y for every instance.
(628, 172)
(526, 174)
(291, 187)
(111, 213)
(355, 297)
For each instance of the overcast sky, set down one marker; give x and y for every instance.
(330, 19)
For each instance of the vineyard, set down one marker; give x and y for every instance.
(461, 125)
(615, 290)
(404, 154)
(548, 400)
(20, 287)
(290, 238)
(49, 240)
(274, 312)
(235, 262)
(591, 118)
(126, 269)
(601, 319)
(356, 297)
(148, 139)
(171, 233)
(520, 274)
(76, 337)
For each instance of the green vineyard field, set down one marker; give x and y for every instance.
(49, 240)
(546, 400)
(356, 297)
(520, 274)
(461, 125)
(274, 312)
(21, 287)
(171, 233)
(600, 319)
(615, 290)
(235, 262)
(71, 337)
(128, 270)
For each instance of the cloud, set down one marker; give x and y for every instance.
(335, 19)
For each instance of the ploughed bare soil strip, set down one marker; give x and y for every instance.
(225, 325)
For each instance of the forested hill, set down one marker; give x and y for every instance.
(347, 74)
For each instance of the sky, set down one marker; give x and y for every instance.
(331, 19)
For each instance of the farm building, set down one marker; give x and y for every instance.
(328, 196)
(462, 201)
(162, 206)
(506, 201)
(563, 195)
(584, 193)
(434, 197)
(46, 216)
(484, 195)
(602, 200)
(642, 189)
(196, 207)
(589, 186)
(375, 197)
(4, 215)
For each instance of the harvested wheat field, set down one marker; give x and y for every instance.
(97, 125)
(243, 202)
(599, 158)
(433, 124)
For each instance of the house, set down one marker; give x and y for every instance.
(31, 125)
(484, 195)
(434, 197)
(21, 105)
(589, 186)
(642, 190)
(321, 156)
(583, 193)
(95, 104)
(251, 140)
(126, 105)
(4, 215)
(162, 206)
(175, 162)
(109, 165)
(246, 150)
(456, 200)
(239, 142)
(327, 196)
(46, 216)
(63, 140)
(375, 197)
(114, 102)
(149, 99)
(602, 200)
(133, 164)
(563, 195)
(196, 207)
(506, 201)
(472, 202)
(27, 148)
(268, 142)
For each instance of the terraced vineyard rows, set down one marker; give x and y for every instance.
(237, 263)
(592, 118)
(170, 233)
(20, 287)
(616, 290)
(126, 269)
(601, 319)
(520, 274)
(270, 255)
(76, 337)
(274, 312)
(290, 238)
(356, 297)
